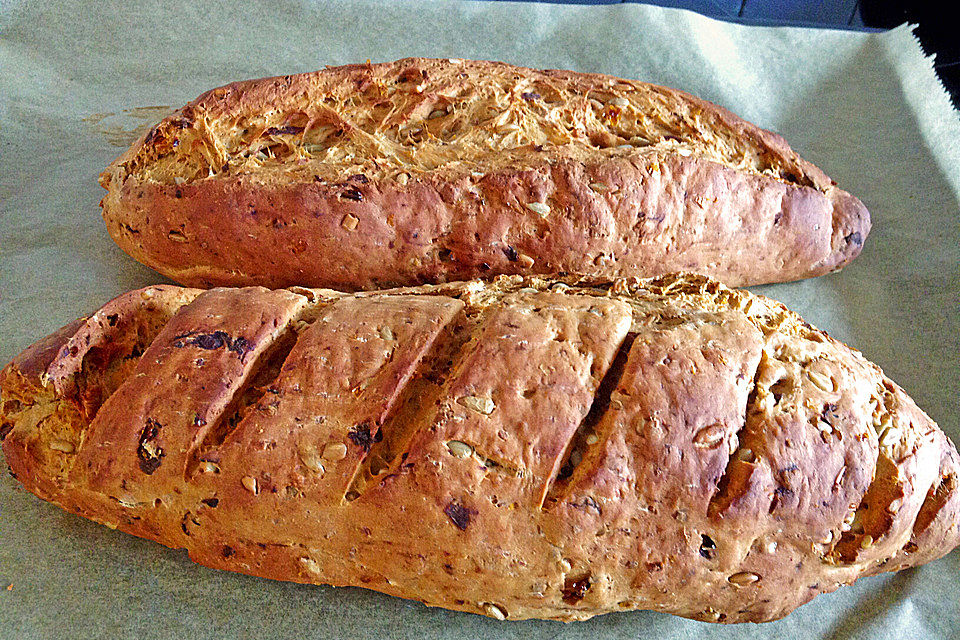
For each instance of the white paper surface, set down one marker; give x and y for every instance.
(74, 81)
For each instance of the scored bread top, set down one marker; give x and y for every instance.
(519, 448)
(455, 116)
(424, 170)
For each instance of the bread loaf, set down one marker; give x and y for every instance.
(397, 174)
(518, 448)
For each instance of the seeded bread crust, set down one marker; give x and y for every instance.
(521, 448)
(397, 174)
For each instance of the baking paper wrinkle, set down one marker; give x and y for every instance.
(866, 108)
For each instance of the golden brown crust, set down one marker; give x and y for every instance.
(518, 448)
(429, 171)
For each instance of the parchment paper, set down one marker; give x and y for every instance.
(77, 78)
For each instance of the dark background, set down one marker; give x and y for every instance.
(936, 30)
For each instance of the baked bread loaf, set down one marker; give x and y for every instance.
(398, 174)
(521, 448)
